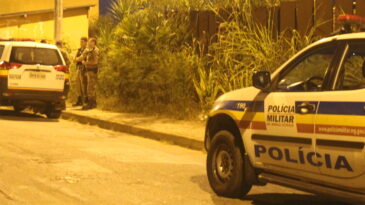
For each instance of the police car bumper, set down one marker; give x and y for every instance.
(33, 98)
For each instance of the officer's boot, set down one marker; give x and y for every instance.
(86, 106)
(94, 105)
(78, 102)
(90, 105)
(86, 100)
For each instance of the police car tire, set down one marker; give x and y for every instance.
(235, 186)
(18, 108)
(54, 114)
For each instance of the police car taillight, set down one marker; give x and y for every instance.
(61, 68)
(7, 66)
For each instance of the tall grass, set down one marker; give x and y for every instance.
(244, 46)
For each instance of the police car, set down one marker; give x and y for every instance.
(302, 126)
(33, 75)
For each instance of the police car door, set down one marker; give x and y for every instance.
(340, 123)
(286, 144)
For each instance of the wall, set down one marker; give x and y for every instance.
(41, 26)
(16, 6)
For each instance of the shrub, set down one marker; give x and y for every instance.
(146, 65)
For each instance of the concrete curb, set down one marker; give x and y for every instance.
(146, 133)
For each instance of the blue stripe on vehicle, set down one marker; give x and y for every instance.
(237, 105)
(342, 108)
(234, 105)
(331, 108)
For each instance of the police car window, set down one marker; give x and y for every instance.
(31, 55)
(308, 74)
(352, 74)
(1, 50)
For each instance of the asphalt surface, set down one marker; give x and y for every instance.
(60, 162)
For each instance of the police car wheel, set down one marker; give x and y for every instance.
(225, 167)
(54, 114)
(18, 108)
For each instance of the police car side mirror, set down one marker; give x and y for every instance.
(261, 80)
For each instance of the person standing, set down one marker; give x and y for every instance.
(90, 58)
(81, 76)
(59, 45)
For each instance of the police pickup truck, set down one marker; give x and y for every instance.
(302, 126)
(33, 75)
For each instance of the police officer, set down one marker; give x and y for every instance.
(90, 58)
(81, 77)
(59, 45)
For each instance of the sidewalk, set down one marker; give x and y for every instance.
(189, 134)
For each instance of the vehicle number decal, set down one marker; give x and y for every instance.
(37, 75)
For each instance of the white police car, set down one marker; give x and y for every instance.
(301, 127)
(33, 75)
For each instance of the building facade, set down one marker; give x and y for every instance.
(35, 19)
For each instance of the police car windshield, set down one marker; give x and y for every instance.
(31, 56)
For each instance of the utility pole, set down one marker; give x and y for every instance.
(58, 15)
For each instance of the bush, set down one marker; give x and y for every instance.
(146, 65)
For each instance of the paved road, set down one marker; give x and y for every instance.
(61, 162)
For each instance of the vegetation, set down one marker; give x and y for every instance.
(152, 64)
(244, 46)
(145, 65)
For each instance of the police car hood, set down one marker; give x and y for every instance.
(241, 94)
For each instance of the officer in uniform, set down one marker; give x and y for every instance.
(81, 77)
(90, 59)
(59, 45)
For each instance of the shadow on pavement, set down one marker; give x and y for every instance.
(298, 199)
(23, 116)
(263, 198)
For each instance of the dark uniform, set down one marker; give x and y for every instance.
(91, 58)
(81, 78)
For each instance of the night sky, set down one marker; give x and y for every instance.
(104, 5)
